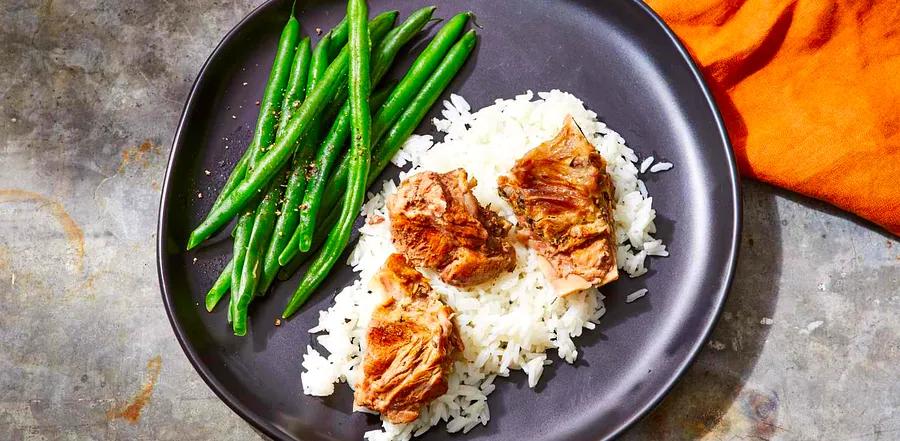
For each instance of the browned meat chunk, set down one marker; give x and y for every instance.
(410, 345)
(564, 202)
(437, 223)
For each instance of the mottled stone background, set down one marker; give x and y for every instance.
(90, 93)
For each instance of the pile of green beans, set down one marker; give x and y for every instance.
(359, 157)
(280, 152)
(263, 135)
(302, 238)
(245, 287)
(384, 151)
(296, 185)
(295, 190)
(399, 101)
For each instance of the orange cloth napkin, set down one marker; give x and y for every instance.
(810, 93)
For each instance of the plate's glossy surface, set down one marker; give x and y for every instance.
(627, 67)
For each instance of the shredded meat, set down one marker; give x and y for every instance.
(563, 200)
(437, 223)
(410, 345)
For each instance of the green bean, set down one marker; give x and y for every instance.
(399, 100)
(271, 102)
(295, 92)
(320, 61)
(219, 288)
(338, 38)
(272, 162)
(392, 142)
(259, 240)
(361, 125)
(296, 184)
(241, 237)
(382, 59)
(384, 55)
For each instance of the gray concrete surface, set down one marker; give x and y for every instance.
(89, 97)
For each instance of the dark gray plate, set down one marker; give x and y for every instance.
(625, 64)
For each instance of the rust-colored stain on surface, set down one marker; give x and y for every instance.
(761, 410)
(82, 291)
(138, 155)
(71, 229)
(88, 283)
(131, 411)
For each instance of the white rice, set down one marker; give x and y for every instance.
(635, 295)
(661, 166)
(507, 324)
(645, 164)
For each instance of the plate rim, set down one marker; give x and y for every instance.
(269, 430)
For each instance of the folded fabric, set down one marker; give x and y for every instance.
(810, 93)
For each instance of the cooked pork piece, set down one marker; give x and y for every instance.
(437, 223)
(563, 200)
(410, 345)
